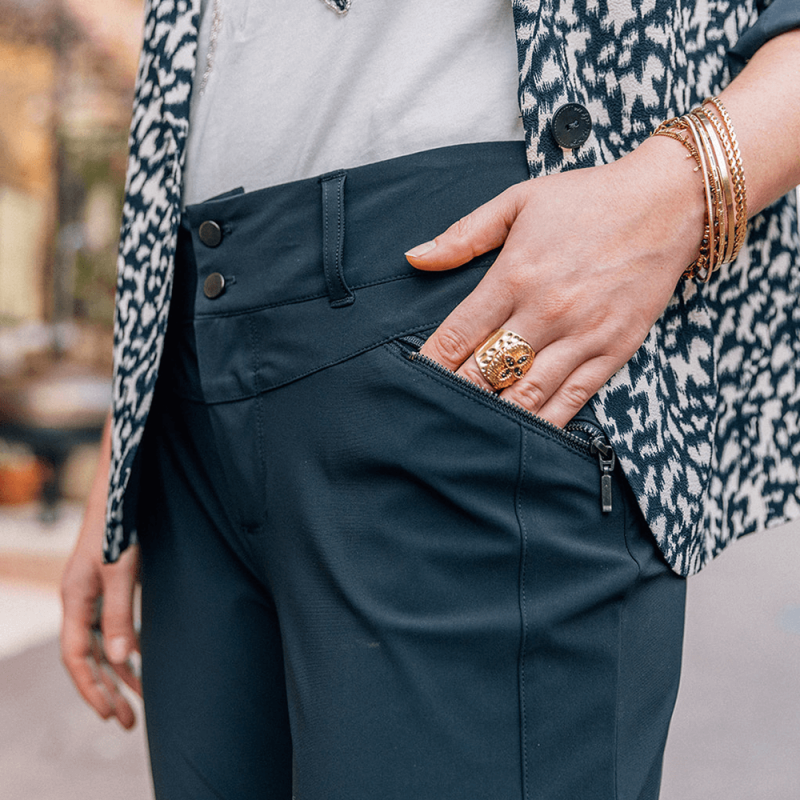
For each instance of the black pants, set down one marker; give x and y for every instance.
(362, 577)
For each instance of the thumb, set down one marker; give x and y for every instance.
(119, 582)
(483, 230)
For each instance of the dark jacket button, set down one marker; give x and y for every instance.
(571, 126)
(213, 285)
(210, 233)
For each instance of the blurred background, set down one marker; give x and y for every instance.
(66, 84)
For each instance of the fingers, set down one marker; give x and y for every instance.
(478, 315)
(119, 634)
(128, 676)
(106, 682)
(581, 385)
(483, 230)
(79, 659)
(84, 582)
(561, 381)
(553, 363)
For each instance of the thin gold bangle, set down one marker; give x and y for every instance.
(713, 183)
(709, 199)
(716, 189)
(727, 218)
(735, 158)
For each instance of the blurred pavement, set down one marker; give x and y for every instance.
(735, 734)
(52, 747)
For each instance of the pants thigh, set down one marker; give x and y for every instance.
(603, 634)
(460, 619)
(212, 663)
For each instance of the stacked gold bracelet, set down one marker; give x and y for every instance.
(707, 133)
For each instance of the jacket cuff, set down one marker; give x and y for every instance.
(779, 17)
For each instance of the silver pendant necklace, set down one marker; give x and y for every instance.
(339, 6)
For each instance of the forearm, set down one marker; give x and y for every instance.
(764, 105)
(94, 516)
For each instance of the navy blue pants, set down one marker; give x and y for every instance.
(364, 577)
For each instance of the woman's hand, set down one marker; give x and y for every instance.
(97, 663)
(590, 259)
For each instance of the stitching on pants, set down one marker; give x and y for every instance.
(478, 263)
(523, 620)
(259, 416)
(620, 636)
(326, 365)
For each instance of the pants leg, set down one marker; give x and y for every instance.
(461, 620)
(213, 677)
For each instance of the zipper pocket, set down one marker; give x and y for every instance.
(597, 443)
(415, 342)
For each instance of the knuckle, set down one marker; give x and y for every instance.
(70, 662)
(471, 372)
(461, 228)
(575, 395)
(462, 231)
(517, 280)
(529, 394)
(113, 624)
(69, 587)
(451, 346)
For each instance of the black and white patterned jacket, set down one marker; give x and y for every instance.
(706, 416)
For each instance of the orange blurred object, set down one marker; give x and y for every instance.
(21, 481)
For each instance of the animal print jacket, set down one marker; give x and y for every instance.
(705, 418)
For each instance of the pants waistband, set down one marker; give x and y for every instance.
(283, 281)
(331, 235)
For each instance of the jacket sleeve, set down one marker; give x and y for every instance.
(780, 16)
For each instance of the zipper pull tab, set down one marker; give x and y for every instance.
(607, 459)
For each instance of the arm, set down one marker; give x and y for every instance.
(591, 257)
(87, 580)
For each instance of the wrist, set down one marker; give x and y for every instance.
(673, 190)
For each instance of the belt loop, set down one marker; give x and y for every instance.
(333, 238)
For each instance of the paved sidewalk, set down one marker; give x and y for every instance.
(736, 730)
(735, 735)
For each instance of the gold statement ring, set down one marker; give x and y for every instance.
(504, 358)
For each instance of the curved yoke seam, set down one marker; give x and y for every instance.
(325, 365)
(494, 406)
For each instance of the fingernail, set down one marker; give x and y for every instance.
(117, 650)
(421, 249)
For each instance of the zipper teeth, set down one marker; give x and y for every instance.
(517, 411)
(590, 430)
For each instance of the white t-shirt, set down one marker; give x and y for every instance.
(287, 89)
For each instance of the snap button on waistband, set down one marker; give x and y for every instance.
(213, 285)
(210, 233)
